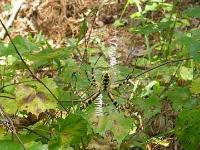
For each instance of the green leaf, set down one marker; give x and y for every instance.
(10, 145)
(183, 39)
(151, 7)
(36, 146)
(22, 44)
(186, 73)
(135, 140)
(146, 29)
(195, 50)
(179, 96)
(119, 23)
(149, 88)
(6, 7)
(195, 87)
(193, 12)
(10, 105)
(49, 54)
(2, 49)
(54, 143)
(188, 129)
(36, 100)
(150, 106)
(191, 43)
(83, 29)
(136, 15)
(165, 6)
(72, 129)
(51, 84)
(115, 122)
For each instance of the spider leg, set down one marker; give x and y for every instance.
(117, 106)
(86, 102)
(94, 82)
(124, 82)
(120, 107)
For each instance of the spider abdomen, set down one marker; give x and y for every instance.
(106, 80)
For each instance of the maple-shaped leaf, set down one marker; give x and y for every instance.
(150, 106)
(72, 129)
(115, 122)
(28, 98)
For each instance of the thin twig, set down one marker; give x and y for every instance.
(25, 64)
(12, 128)
(158, 66)
(170, 82)
(42, 136)
(7, 97)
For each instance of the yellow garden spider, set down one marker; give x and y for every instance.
(105, 86)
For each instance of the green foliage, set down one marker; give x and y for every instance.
(36, 146)
(190, 42)
(115, 122)
(34, 99)
(72, 129)
(10, 145)
(186, 73)
(188, 129)
(195, 89)
(150, 106)
(193, 12)
(171, 90)
(180, 97)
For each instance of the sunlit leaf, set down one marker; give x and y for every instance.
(151, 7)
(186, 73)
(36, 100)
(195, 88)
(119, 23)
(36, 146)
(9, 105)
(158, 141)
